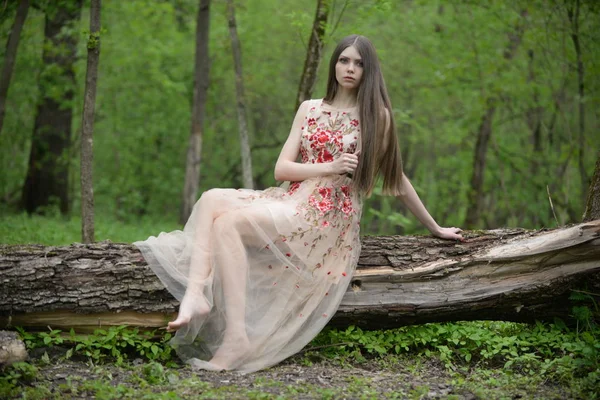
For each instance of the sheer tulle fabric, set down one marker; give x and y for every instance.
(262, 272)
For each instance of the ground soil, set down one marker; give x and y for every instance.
(303, 377)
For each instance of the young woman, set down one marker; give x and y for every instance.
(260, 273)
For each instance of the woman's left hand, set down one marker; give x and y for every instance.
(449, 233)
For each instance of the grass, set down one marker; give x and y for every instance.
(58, 231)
(69, 380)
(565, 365)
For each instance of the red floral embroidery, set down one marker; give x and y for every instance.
(293, 187)
(331, 207)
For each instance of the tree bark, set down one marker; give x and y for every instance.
(48, 170)
(87, 130)
(574, 19)
(592, 206)
(241, 103)
(313, 52)
(512, 275)
(201, 81)
(11, 55)
(476, 193)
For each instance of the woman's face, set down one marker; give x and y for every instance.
(349, 68)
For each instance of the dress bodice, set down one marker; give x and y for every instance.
(328, 132)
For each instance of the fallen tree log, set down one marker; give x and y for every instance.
(505, 274)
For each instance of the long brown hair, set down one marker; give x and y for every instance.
(373, 101)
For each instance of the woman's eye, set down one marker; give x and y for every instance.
(360, 64)
(343, 60)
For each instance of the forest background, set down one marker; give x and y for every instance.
(497, 110)
(496, 104)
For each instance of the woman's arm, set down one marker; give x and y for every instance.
(287, 169)
(412, 201)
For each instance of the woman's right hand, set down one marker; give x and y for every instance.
(344, 164)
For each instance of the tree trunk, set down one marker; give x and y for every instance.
(533, 115)
(592, 207)
(313, 52)
(512, 275)
(476, 193)
(241, 106)
(48, 170)
(533, 118)
(574, 18)
(475, 196)
(194, 153)
(11, 55)
(87, 130)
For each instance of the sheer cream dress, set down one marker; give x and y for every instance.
(261, 272)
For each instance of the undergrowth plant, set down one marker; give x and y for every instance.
(585, 309)
(117, 343)
(549, 349)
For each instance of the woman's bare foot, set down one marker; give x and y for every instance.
(192, 305)
(233, 349)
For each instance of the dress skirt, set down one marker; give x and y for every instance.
(261, 272)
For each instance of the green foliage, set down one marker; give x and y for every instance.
(551, 350)
(117, 343)
(487, 359)
(41, 339)
(445, 64)
(93, 38)
(18, 372)
(585, 309)
(55, 230)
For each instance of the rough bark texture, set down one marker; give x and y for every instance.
(592, 207)
(11, 55)
(194, 152)
(87, 130)
(48, 172)
(512, 275)
(484, 133)
(241, 103)
(12, 349)
(313, 53)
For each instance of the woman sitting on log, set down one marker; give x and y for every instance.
(260, 273)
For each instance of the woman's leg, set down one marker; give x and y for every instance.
(212, 203)
(229, 228)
